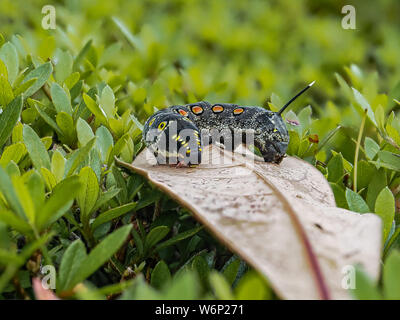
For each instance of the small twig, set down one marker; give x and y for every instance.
(19, 289)
(358, 149)
(46, 91)
(157, 210)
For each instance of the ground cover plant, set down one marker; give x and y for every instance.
(75, 97)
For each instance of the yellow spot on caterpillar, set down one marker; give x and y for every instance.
(151, 121)
(162, 125)
(275, 130)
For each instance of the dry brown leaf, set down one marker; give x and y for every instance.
(282, 219)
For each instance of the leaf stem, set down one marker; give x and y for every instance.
(360, 133)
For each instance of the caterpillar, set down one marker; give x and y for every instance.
(176, 135)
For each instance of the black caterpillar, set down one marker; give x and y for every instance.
(176, 135)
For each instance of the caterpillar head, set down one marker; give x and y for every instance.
(173, 139)
(273, 135)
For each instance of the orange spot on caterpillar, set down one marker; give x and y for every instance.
(217, 109)
(183, 112)
(197, 110)
(238, 111)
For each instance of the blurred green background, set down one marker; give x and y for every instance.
(222, 51)
(159, 53)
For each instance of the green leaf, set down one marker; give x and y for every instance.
(101, 253)
(66, 125)
(138, 242)
(42, 73)
(95, 109)
(9, 118)
(107, 101)
(380, 117)
(6, 93)
(137, 122)
(200, 264)
(252, 287)
(24, 197)
(58, 165)
(70, 264)
(339, 194)
(305, 117)
(24, 87)
(376, 185)
(363, 103)
(7, 257)
(294, 143)
(49, 178)
(385, 208)
(63, 68)
(7, 189)
(155, 236)
(117, 149)
(365, 172)
(134, 41)
(112, 214)
(48, 119)
(343, 85)
(12, 169)
(335, 168)
(9, 55)
(365, 289)
(220, 286)
(78, 157)
(14, 221)
(184, 286)
(14, 152)
(391, 279)
(81, 55)
(105, 197)
(35, 185)
(85, 133)
(110, 53)
(179, 237)
(160, 275)
(231, 269)
(3, 70)
(37, 151)
(389, 160)
(356, 202)
(71, 81)
(88, 192)
(59, 202)
(371, 148)
(104, 142)
(61, 100)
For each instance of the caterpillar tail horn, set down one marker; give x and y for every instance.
(294, 98)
